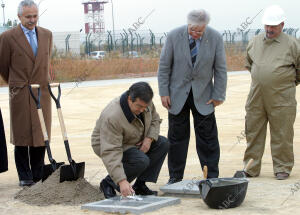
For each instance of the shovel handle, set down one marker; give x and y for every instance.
(58, 106)
(248, 164)
(64, 134)
(61, 120)
(56, 99)
(42, 121)
(43, 125)
(54, 84)
(62, 124)
(205, 172)
(35, 86)
(39, 109)
(38, 98)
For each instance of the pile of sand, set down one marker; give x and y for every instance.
(52, 192)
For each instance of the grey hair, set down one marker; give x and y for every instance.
(198, 17)
(25, 3)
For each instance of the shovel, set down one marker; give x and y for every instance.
(242, 174)
(205, 172)
(48, 168)
(75, 170)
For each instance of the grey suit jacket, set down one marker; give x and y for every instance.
(208, 77)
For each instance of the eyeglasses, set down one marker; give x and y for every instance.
(196, 32)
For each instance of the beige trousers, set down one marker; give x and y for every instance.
(281, 120)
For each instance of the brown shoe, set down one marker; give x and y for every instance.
(281, 175)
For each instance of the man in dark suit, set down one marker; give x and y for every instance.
(25, 56)
(192, 77)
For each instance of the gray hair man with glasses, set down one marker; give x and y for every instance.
(192, 76)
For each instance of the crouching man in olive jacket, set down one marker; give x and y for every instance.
(126, 138)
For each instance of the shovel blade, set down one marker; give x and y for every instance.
(48, 169)
(67, 172)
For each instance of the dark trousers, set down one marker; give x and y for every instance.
(29, 162)
(207, 143)
(3, 149)
(144, 167)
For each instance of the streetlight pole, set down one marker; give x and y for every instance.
(39, 11)
(3, 5)
(113, 20)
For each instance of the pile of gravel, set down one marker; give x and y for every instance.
(51, 192)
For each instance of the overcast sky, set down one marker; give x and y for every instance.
(67, 15)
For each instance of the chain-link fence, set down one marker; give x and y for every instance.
(144, 42)
(125, 42)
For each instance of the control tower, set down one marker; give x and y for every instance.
(94, 16)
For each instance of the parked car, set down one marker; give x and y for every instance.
(98, 55)
(133, 54)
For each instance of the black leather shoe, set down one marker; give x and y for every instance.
(24, 183)
(107, 189)
(143, 190)
(109, 180)
(173, 181)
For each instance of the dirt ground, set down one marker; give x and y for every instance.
(81, 108)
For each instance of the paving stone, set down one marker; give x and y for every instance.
(119, 205)
(186, 187)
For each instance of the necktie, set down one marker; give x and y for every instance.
(32, 43)
(193, 48)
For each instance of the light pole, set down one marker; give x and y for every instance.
(113, 22)
(3, 5)
(39, 10)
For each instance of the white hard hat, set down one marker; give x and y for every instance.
(273, 15)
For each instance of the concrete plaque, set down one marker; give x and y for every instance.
(127, 205)
(185, 187)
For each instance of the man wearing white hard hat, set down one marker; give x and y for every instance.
(273, 59)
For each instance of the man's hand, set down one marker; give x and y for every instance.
(166, 101)
(145, 144)
(125, 188)
(215, 102)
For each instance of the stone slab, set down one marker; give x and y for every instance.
(185, 187)
(120, 205)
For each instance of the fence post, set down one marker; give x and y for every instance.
(137, 42)
(246, 36)
(123, 43)
(109, 41)
(233, 37)
(225, 33)
(99, 45)
(229, 36)
(89, 45)
(126, 37)
(116, 45)
(160, 39)
(296, 30)
(152, 40)
(67, 43)
(86, 44)
(131, 41)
